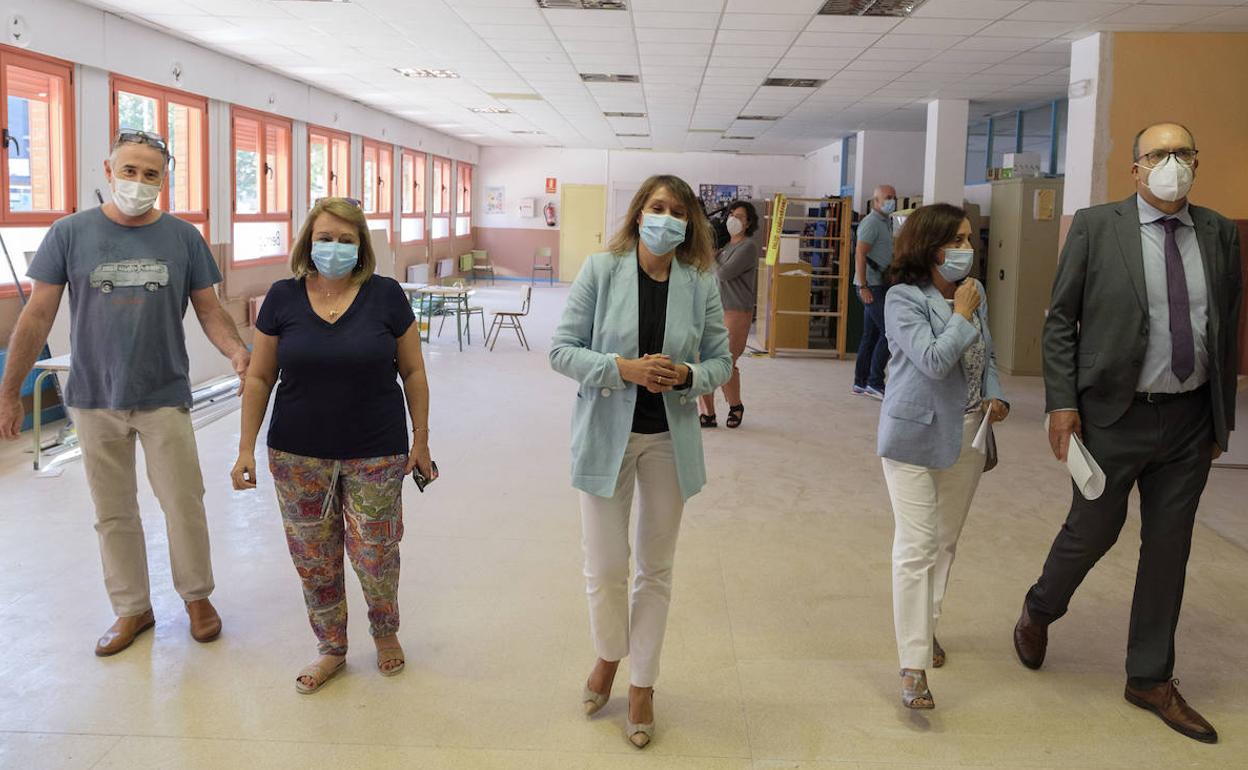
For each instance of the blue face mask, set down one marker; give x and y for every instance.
(888, 206)
(957, 264)
(335, 260)
(662, 233)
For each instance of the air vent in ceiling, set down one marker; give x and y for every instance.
(741, 138)
(599, 77)
(633, 135)
(516, 97)
(793, 82)
(758, 117)
(624, 114)
(584, 5)
(490, 110)
(898, 8)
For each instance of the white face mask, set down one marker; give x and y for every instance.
(1170, 181)
(134, 199)
(734, 226)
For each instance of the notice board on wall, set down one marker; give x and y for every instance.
(716, 196)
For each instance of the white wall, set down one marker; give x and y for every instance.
(889, 157)
(1087, 123)
(823, 170)
(523, 173)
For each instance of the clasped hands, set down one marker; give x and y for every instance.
(654, 372)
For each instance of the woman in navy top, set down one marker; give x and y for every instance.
(338, 340)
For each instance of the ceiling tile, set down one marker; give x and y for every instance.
(1164, 14)
(876, 24)
(836, 39)
(967, 9)
(668, 19)
(940, 26)
(1027, 29)
(668, 35)
(748, 37)
(1045, 10)
(763, 21)
(933, 42)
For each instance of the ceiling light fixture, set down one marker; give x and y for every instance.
(899, 8)
(793, 82)
(425, 72)
(490, 110)
(740, 138)
(599, 77)
(633, 135)
(583, 5)
(528, 132)
(516, 97)
(624, 114)
(758, 117)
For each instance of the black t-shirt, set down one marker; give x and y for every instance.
(649, 415)
(338, 395)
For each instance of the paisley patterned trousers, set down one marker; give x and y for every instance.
(329, 504)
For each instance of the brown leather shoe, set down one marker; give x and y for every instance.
(205, 622)
(1164, 701)
(1031, 640)
(123, 633)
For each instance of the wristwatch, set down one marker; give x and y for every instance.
(688, 383)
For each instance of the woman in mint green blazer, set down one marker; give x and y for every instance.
(643, 335)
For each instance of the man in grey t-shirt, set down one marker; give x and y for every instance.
(131, 272)
(872, 258)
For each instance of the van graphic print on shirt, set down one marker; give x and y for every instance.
(151, 274)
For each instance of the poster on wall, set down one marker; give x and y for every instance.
(526, 208)
(716, 196)
(495, 200)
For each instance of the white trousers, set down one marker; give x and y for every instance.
(929, 508)
(650, 465)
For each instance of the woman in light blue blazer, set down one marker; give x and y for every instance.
(942, 381)
(643, 336)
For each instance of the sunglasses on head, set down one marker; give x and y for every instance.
(134, 136)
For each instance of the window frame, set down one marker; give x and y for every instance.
(436, 201)
(463, 196)
(383, 185)
(164, 96)
(26, 219)
(420, 179)
(330, 135)
(265, 120)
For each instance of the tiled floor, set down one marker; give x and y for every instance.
(780, 650)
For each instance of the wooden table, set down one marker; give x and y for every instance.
(47, 367)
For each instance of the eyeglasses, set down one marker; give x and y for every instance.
(129, 136)
(1186, 156)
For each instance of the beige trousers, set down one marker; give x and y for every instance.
(107, 438)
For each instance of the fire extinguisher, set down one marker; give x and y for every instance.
(549, 211)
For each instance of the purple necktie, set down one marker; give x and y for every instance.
(1182, 345)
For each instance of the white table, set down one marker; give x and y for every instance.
(46, 368)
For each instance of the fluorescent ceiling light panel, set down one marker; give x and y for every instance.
(422, 72)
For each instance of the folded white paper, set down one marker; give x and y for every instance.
(981, 436)
(1088, 476)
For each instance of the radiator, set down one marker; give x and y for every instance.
(253, 309)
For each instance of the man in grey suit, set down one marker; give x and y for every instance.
(1140, 357)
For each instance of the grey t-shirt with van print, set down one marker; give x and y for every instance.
(128, 292)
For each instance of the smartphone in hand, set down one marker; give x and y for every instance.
(421, 481)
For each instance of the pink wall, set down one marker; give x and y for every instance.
(512, 248)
